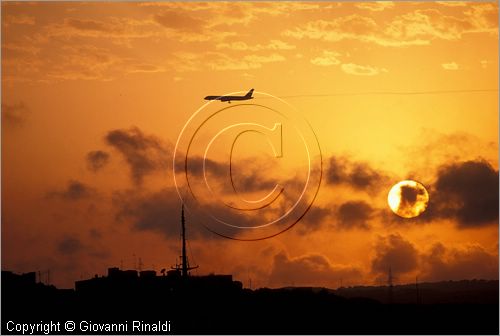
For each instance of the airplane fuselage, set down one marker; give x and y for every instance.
(230, 98)
(226, 98)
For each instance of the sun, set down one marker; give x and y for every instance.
(408, 199)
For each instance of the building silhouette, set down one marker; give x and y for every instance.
(175, 280)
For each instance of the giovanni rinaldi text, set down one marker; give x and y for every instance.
(87, 326)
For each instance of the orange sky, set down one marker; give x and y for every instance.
(94, 96)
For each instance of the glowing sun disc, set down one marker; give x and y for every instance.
(408, 199)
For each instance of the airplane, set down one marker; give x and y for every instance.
(229, 98)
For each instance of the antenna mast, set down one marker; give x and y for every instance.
(184, 266)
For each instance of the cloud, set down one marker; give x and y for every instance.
(326, 59)
(224, 62)
(242, 46)
(468, 193)
(450, 66)
(248, 175)
(483, 17)
(375, 6)
(14, 115)
(179, 20)
(409, 195)
(8, 20)
(247, 62)
(95, 234)
(313, 219)
(348, 216)
(469, 262)
(185, 61)
(361, 70)
(74, 191)
(69, 245)
(452, 3)
(145, 68)
(437, 148)
(160, 212)
(195, 167)
(241, 13)
(357, 175)
(329, 58)
(73, 62)
(145, 154)
(97, 49)
(394, 252)
(354, 214)
(310, 270)
(91, 25)
(433, 24)
(253, 180)
(156, 211)
(96, 160)
(17, 49)
(78, 39)
(337, 29)
(259, 59)
(417, 27)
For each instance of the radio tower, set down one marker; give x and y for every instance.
(184, 266)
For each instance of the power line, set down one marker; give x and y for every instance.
(399, 93)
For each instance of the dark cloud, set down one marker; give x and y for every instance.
(247, 177)
(467, 192)
(358, 175)
(354, 214)
(160, 212)
(310, 270)
(349, 215)
(409, 195)
(179, 21)
(251, 177)
(145, 154)
(69, 245)
(157, 211)
(471, 262)
(75, 191)
(396, 253)
(195, 167)
(313, 219)
(97, 160)
(336, 172)
(95, 234)
(363, 176)
(14, 115)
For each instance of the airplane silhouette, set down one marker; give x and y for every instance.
(229, 98)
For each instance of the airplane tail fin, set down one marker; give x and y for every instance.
(249, 94)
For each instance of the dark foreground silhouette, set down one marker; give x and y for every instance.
(217, 304)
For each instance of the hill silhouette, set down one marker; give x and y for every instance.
(217, 304)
